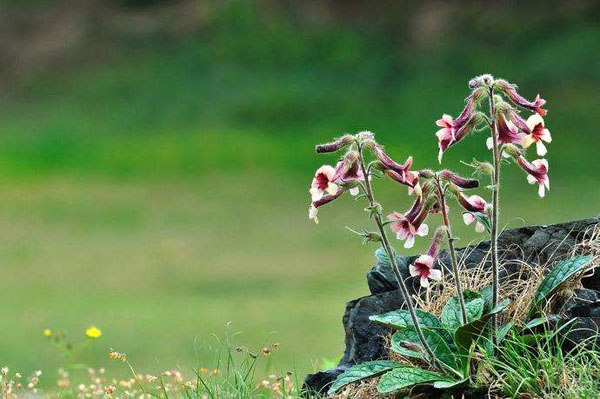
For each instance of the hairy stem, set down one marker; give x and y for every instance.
(388, 250)
(459, 291)
(495, 211)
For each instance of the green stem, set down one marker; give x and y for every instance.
(495, 211)
(388, 249)
(459, 291)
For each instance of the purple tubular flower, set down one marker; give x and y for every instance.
(347, 172)
(390, 164)
(512, 93)
(459, 181)
(348, 163)
(473, 203)
(518, 121)
(508, 133)
(537, 173)
(410, 179)
(334, 145)
(452, 131)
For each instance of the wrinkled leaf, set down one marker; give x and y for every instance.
(362, 371)
(470, 332)
(405, 377)
(452, 315)
(406, 343)
(558, 275)
(401, 318)
(487, 293)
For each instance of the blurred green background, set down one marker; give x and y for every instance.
(155, 157)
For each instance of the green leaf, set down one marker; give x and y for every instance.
(401, 318)
(503, 332)
(406, 343)
(446, 384)
(539, 321)
(452, 315)
(487, 293)
(362, 371)
(500, 335)
(405, 377)
(470, 332)
(558, 275)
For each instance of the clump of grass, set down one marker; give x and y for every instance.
(539, 368)
(234, 372)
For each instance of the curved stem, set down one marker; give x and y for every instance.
(388, 250)
(495, 211)
(459, 291)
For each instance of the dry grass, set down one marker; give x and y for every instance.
(520, 287)
(366, 389)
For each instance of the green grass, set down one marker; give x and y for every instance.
(540, 369)
(163, 194)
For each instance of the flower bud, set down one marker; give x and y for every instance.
(426, 174)
(460, 181)
(348, 163)
(378, 166)
(511, 150)
(365, 136)
(484, 168)
(335, 145)
(484, 80)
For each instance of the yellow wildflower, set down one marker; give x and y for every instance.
(47, 333)
(93, 332)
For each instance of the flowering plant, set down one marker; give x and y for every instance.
(468, 324)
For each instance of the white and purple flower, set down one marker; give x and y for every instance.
(537, 134)
(323, 183)
(422, 267)
(454, 130)
(408, 225)
(537, 173)
(473, 205)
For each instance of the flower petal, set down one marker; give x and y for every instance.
(541, 148)
(435, 274)
(413, 270)
(423, 230)
(410, 241)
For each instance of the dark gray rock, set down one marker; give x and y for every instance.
(583, 330)
(581, 304)
(535, 244)
(365, 340)
(318, 383)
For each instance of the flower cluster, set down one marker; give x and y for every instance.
(513, 134)
(329, 183)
